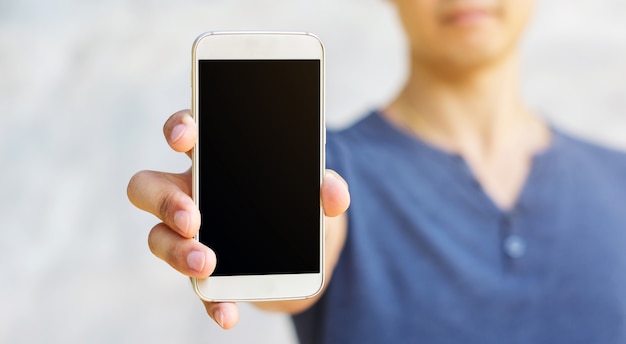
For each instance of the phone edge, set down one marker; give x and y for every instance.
(194, 165)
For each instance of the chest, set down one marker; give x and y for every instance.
(438, 259)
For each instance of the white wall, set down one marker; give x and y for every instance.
(85, 87)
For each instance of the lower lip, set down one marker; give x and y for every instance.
(467, 18)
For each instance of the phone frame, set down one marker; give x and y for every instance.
(247, 45)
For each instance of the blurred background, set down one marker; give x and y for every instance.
(85, 87)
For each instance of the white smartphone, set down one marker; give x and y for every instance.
(258, 101)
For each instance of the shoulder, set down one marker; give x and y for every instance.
(581, 148)
(371, 133)
(589, 157)
(341, 143)
(358, 130)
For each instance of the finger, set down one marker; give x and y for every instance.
(181, 132)
(335, 194)
(167, 197)
(225, 314)
(188, 256)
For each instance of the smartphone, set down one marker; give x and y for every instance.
(258, 164)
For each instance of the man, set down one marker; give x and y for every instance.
(471, 220)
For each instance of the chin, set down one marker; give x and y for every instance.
(476, 56)
(471, 54)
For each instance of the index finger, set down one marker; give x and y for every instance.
(181, 132)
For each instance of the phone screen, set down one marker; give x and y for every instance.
(259, 164)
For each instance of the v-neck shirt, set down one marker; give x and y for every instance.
(430, 258)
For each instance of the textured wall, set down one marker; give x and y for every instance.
(85, 87)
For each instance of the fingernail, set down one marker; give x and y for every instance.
(196, 260)
(331, 175)
(177, 132)
(181, 220)
(219, 317)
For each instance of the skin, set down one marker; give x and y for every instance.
(461, 95)
(167, 196)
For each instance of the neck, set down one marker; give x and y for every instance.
(478, 114)
(469, 111)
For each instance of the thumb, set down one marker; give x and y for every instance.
(335, 194)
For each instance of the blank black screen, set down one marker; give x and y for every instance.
(259, 165)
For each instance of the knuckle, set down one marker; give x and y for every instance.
(177, 255)
(165, 246)
(166, 202)
(153, 240)
(151, 244)
(133, 184)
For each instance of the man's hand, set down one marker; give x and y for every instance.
(167, 196)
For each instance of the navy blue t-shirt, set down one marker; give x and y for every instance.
(430, 258)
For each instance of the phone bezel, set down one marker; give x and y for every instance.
(247, 45)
